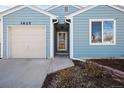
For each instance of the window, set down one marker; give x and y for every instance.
(96, 32)
(102, 32)
(66, 8)
(108, 29)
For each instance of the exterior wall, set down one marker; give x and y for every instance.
(0, 31)
(59, 11)
(0, 38)
(26, 15)
(81, 44)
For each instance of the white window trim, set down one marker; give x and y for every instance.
(102, 20)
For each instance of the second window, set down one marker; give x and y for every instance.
(102, 31)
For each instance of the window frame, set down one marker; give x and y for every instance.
(102, 20)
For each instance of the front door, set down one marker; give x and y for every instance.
(62, 41)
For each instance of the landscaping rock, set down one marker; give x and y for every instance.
(85, 75)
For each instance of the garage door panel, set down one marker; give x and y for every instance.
(27, 42)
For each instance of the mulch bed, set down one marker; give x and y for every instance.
(114, 63)
(82, 75)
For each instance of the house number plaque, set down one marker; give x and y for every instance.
(25, 23)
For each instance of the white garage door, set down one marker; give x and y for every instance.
(27, 41)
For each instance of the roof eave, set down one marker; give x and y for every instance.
(43, 11)
(77, 6)
(16, 8)
(80, 11)
(55, 6)
(88, 8)
(52, 7)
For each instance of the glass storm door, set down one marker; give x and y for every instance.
(61, 41)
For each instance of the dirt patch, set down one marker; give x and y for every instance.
(114, 63)
(82, 75)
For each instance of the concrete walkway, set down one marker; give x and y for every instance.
(59, 63)
(29, 73)
(23, 73)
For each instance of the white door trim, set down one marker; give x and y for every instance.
(8, 41)
(65, 41)
(71, 38)
(51, 38)
(1, 37)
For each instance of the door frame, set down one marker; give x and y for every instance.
(58, 28)
(66, 37)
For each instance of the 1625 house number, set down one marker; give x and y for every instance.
(25, 23)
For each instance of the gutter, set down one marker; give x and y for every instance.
(56, 20)
(67, 21)
(70, 36)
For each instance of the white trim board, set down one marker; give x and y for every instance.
(51, 39)
(1, 37)
(84, 59)
(71, 38)
(90, 7)
(78, 59)
(55, 6)
(13, 9)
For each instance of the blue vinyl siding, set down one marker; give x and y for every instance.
(26, 14)
(82, 47)
(60, 12)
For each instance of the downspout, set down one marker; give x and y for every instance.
(51, 63)
(54, 22)
(66, 21)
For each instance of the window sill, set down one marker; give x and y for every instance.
(102, 44)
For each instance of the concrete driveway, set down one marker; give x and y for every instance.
(23, 73)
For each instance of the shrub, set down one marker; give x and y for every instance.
(92, 70)
(65, 74)
(65, 78)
